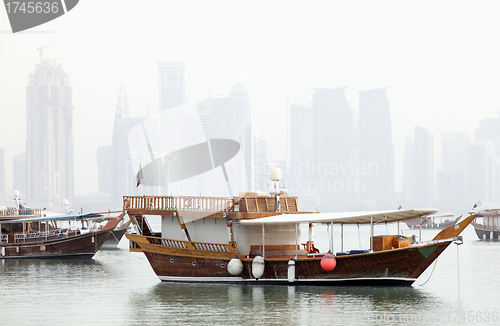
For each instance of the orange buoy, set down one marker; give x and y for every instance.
(328, 262)
(126, 202)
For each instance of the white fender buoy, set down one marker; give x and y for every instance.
(258, 267)
(235, 266)
(291, 270)
(328, 262)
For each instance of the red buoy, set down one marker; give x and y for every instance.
(328, 262)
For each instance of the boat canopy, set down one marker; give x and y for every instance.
(342, 217)
(53, 217)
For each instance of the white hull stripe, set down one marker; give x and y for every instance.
(239, 279)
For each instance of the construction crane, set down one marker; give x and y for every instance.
(40, 49)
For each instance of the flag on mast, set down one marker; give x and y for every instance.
(478, 204)
(139, 175)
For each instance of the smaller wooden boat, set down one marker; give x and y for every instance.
(116, 234)
(486, 225)
(58, 236)
(436, 221)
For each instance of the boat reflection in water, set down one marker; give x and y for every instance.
(258, 304)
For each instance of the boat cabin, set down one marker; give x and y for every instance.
(42, 228)
(487, 225)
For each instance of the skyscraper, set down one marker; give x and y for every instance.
(480, 172)
(331, 169)
(49, 145)
(424, 168)
(450, 179)
(409, 172)
(376, 151)
(2, 171)
(240, 102)
(301, 147)
(231, 118)
(19, 173)
(171, 84)
(489, 129)
(116, 174)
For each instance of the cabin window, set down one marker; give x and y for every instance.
(17, 227)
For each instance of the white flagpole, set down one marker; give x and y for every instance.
(141, 176)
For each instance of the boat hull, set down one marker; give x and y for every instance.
(487, 234)
(391, 267)
(389, 281)
(78, 246)
(114, 238)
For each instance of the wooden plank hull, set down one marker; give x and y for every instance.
(79, 246)
(391, 267)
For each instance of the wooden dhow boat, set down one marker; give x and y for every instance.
(436, 221)
(256, 238)
(116, 235)
(100, 220)
(487, 224)
(56, 236)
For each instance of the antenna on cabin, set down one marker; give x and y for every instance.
(16, 199)
(40, 49)
(66, 202)
(275, 175)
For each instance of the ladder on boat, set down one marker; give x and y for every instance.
(142, 225)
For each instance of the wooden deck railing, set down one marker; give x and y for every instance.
(11, 211)
(493, 227)
(188, 203)
(218, 247)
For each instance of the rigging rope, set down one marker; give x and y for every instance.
(435, 263)
(458, 271)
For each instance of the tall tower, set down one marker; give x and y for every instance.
(480, 174)
(376, 152)
(489, 129)
(2, 171)
(49, 145)
(231, 118)
(424, 167)
(240, 101)
(19, 173)
(333, 149)
(171, 84)
(115, 170)
(450, 179)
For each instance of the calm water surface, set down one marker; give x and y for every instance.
(117, 287)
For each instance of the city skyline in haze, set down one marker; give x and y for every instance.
(440, 74)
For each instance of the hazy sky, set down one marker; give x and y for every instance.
(440, 60)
